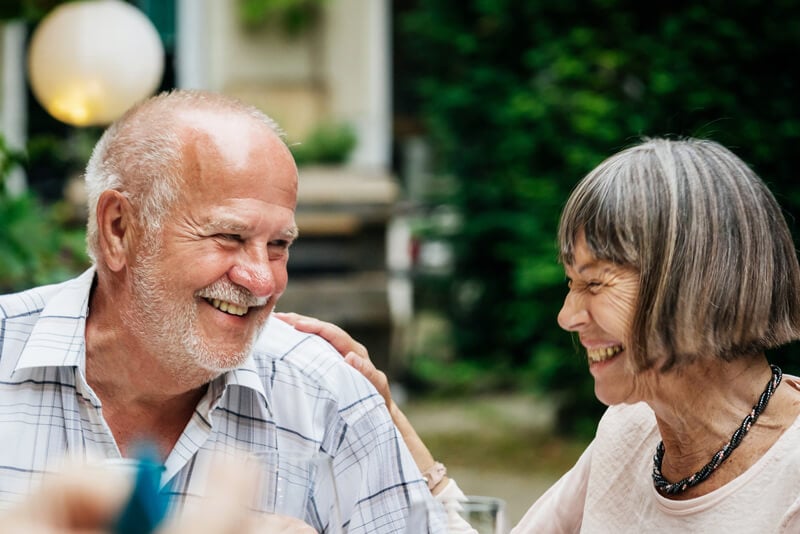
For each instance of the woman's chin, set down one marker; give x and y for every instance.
(610, 379)
(605, 397)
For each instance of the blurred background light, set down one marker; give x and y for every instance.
(89, 61)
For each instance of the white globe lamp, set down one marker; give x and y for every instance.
(89, 61)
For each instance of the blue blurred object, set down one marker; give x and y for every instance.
(147, 506)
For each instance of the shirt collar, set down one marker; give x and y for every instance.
(57, 338)
(246, 376)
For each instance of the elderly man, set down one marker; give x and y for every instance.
(169, 338)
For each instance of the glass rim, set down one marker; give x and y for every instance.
(486, 501)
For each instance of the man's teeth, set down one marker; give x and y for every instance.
(603, 354)
(228, 307)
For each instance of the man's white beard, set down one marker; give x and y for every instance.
(169, 327)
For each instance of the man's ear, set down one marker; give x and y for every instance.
(115, 228)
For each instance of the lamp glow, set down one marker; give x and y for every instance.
(89, 61)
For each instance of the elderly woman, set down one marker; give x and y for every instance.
(682, 272)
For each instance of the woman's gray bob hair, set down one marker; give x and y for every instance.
(718, 270)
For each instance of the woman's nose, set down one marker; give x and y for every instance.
(573, 314)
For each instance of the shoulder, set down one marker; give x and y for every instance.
(19, 314)
(42, 324)
(792, 381)
(620, 456)
(297, 359)
(25, 303)
(630, 416)
(312, 391)
(792, 434)
(627, 425)
(283, 346)
(31, 302)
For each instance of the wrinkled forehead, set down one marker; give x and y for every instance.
(230, 134)
(235, 154)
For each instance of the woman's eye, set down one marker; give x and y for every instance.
(593, 286)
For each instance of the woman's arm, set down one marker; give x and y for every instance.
(357, 356)
(560, 509)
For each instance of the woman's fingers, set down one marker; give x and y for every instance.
(334, 335)
(354, 352)
(372, 373)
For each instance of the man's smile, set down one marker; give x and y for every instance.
(228, 307)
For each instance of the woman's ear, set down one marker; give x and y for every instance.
(115, 228)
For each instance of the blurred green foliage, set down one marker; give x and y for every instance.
(29, 10)
(328, 143)
(293, 16)
(38, 242)
(521, 99)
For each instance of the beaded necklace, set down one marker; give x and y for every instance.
(673, 488)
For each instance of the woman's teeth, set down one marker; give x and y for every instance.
(603, 354)
(227, 307)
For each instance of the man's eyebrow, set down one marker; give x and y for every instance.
(233, 226)
(229, 225)
(291, 233)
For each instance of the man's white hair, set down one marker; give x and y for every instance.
(140, 155)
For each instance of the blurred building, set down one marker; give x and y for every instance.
(330, 72)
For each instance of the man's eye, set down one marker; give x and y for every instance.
(280, 243)
(230, 237)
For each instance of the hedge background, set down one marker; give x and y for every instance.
(521, 98)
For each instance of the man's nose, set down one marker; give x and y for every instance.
(253, 271)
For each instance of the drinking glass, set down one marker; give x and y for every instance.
(299, 485)
(146, 506)
(487, 515)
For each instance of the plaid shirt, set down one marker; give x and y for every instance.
(294, 394)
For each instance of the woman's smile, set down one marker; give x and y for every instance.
(602, 354)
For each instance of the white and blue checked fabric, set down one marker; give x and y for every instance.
(294, 394)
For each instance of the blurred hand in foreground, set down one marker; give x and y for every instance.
(87, 499)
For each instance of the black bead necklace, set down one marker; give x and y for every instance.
(673, 488)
